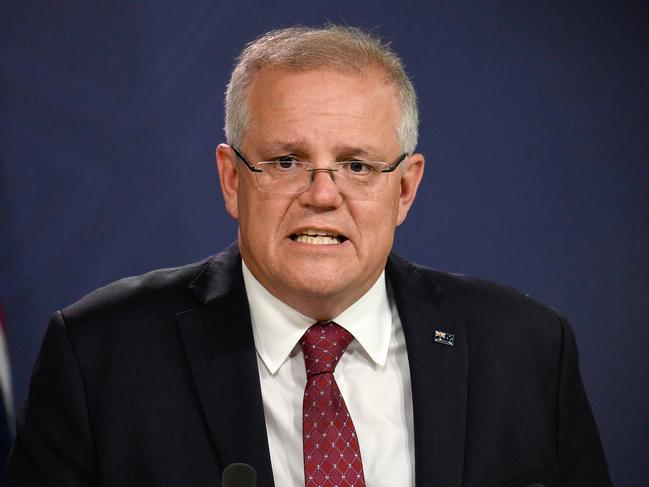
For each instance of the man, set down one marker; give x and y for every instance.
(308, 350)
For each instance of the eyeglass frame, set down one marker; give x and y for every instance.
(252, 167)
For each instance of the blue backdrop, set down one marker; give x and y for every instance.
(535, 124)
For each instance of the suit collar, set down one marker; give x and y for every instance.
(218, 276)
(220, 350)
(438, 372)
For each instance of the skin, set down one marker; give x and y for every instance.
(323, 115)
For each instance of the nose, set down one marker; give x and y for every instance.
(323, 191)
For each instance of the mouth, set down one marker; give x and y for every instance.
(317, 237)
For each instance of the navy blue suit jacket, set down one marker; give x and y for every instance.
(152, 381)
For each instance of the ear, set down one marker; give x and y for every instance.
(229, 178)
(409, 184)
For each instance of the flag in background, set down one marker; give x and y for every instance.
(6, 401)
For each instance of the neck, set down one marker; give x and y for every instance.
(318, 306)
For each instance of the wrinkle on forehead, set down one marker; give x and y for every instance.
(302, 110)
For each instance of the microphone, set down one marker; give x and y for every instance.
(239, 475)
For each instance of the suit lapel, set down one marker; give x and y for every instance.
(438, 373)
(219, 345)
(220, 349)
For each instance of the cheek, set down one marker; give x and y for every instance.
(376, 218)
(261, 216)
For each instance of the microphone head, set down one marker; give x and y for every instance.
(239, 475)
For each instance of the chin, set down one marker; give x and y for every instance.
(324, 282)
(317, 287)
(316, 281)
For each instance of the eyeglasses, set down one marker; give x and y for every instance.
(286, 175)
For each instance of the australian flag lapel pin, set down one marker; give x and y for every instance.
(444, 338)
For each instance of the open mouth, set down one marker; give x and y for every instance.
(315, 237)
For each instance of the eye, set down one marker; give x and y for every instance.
(357, 168)
(283, 164)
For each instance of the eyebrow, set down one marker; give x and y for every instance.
(300, 146)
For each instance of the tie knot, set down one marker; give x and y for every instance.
(323, 344)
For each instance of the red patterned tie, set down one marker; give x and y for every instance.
(332, 456)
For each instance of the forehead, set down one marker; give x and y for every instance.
(322, 105)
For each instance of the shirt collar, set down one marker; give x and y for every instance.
(277, 327)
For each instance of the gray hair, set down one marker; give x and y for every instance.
(304, 48)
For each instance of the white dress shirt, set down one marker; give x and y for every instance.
(373, 376)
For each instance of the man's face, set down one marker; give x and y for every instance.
(322, 116)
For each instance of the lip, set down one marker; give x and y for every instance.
(321, 250)
(318, 231)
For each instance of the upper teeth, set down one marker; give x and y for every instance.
(315, 238)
